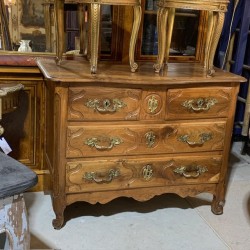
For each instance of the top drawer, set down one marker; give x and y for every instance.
(198, 103)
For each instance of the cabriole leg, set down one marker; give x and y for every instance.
(134, 35)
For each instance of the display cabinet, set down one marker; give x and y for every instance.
(187, 41)
(116, 22)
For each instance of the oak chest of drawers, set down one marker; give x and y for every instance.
(136, 135)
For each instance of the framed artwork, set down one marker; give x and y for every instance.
(32, 13)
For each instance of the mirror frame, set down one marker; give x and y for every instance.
(8, 58)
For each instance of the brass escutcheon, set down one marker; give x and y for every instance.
(147, 172)
(150, 138)
(152, 104)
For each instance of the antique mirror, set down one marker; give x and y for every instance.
(29, 26)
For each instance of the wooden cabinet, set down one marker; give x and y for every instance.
(24, 128)
(136, 135)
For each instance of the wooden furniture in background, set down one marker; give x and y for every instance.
(95, 27)
(136, 135)
(216, 11)
(24, 127)
(9, 99)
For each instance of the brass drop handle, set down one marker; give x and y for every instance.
(107, 106)
(112, 142)
(97, 177)
(190, 171)
(200, 104)
(202, 139)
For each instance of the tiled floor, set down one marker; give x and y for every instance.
(166, 222)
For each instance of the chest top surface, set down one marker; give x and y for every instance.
(73, 72)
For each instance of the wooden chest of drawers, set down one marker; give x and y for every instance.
(136, 134)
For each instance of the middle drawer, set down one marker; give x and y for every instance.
(111, 140)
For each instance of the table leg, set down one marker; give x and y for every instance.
(134, 35)
(94, 36)
(59, 13)
(162, 15)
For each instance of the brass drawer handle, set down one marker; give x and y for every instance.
(203, 138)
(200, 104)
(97, 177)
(112, 142)
(108, 106)
(190, 171)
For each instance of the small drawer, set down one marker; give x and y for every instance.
(198, 103)
(86, 176)
(102, 104)
(114, 140)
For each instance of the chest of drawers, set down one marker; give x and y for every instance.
(136, 135)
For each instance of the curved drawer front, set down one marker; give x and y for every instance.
(100, 104)
(198, 103)
(85, 176)
(111, 140)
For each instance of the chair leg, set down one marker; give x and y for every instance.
(13, 221)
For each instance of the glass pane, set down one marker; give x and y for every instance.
(151, 5)
(106, 29)
(184, 37)
(185, 33)
(149, 37)
(71, 26)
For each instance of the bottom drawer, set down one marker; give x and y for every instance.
(100, 175)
